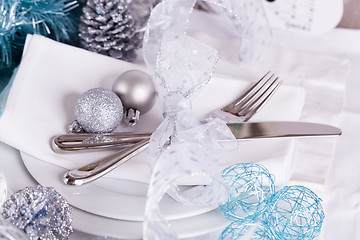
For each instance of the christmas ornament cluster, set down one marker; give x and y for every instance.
(112, 28)
(100, 110)
(259, 212)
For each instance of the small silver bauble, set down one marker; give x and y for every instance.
(98, 110)
(137, 92)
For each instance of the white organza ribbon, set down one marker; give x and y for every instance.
(247, 18)
(184, 65)
(184, 146)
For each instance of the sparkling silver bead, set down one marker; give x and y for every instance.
(137, 92)
(99, 110)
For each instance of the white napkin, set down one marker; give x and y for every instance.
(53, 75)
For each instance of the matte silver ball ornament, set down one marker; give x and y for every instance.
(137, 92)
(98, 110)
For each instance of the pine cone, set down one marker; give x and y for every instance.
(107, 27)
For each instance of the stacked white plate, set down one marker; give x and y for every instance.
(114, 207)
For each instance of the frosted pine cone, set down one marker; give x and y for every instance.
(107, 27)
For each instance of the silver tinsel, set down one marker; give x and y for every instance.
(107, 27)
(41, 212)
(98, 110)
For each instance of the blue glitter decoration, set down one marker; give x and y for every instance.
(41, 212)
(21, 17)
(295, 212)
(250, 186)
(246, 230)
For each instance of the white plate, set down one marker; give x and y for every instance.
(18, 177)
(106, 196)
(113, 197)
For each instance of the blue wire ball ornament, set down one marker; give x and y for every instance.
(18, 18)
(250, 186)
(246, 230)
(295, 212)
(41, 212)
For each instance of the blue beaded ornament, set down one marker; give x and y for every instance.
(295, 212)
(250, 186)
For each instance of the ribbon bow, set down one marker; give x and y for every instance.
(184, 66)
(184, 146)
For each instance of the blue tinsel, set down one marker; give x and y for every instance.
(18, 18)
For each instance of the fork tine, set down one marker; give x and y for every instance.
(253, 98)
(259, 105)
(246, 96)
(257, 96)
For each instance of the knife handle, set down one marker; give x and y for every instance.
(77, 142)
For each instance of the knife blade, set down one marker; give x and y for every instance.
(247, 130)
(252, 130)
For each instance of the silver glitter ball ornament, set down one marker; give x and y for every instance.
(98, 110)
(137, 92)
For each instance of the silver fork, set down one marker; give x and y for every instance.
(241, 110)
(252, 100)
(255, 97)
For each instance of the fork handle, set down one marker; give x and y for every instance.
(97, 169)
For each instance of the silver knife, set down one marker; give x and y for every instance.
(246, 130)
(251, 130)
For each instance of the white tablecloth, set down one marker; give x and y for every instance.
(340, 185)
(341, 188)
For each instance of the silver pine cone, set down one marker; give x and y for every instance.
(107, 27)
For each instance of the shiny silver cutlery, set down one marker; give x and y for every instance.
(99, 168)
(275, 129)
(244, 107)
(246, 130)
(89, 141)
(252, 100)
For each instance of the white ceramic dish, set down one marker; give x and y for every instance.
(117, 198)
(18, 177)
(114, 198)
(124, 197)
